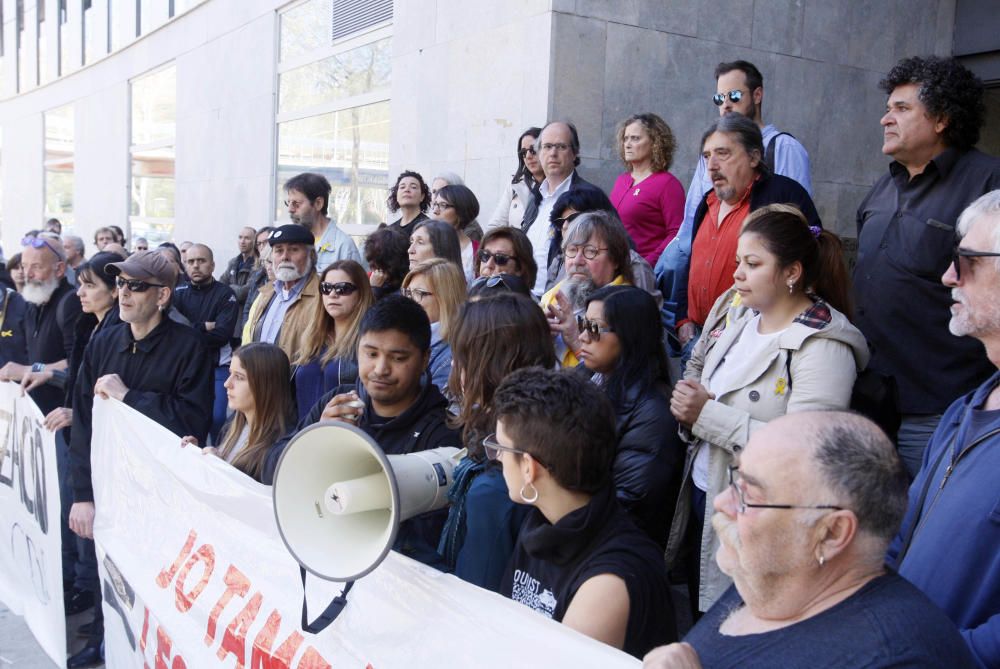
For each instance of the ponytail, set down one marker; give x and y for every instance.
(831, 281)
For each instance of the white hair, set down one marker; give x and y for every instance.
(987, 205)
(449, 178)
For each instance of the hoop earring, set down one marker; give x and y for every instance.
(525, 499)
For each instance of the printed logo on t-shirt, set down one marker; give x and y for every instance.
(526, 591)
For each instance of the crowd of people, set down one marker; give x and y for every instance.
(654, 388)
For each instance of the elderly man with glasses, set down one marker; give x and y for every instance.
(813, 503)
(158, 367)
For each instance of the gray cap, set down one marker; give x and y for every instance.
(146, 266)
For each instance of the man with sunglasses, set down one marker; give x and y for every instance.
(811, 507)
(212, 309)
(283, 309)
(906, 230)
(158, 367)
(950, 538)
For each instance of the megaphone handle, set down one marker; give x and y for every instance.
(329, 614)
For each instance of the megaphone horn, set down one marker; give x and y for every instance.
(339, 499)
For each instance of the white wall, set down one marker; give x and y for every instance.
(224, 52)
(467, 79)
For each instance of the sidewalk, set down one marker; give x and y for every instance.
(18, 647)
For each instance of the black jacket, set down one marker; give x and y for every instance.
(51, 329)
(212, 303)
(649, 460)
(237, 276)
(531, 211)
(421, 427)
(169, 378)
(13, 334)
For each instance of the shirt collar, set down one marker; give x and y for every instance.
(560, 189)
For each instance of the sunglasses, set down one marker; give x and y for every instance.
(136, 286)
(583, 324)
(523, 152)
(490, 282)
(501, 259)
(720, 98)
(42, 242)
(958, 253)
(340, 289)
(560, 222)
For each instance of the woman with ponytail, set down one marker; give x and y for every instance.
(779, 341)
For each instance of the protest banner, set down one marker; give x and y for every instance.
(195, 575)
(30, 544)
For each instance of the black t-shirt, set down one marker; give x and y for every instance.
(551, 562)
(887, 623)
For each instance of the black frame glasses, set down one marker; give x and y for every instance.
(136, 285)
(493, 448)
(500, 259)
(416, 294)
(958, 253)
(734, 96)
(592, 328)
(341, 288)
(743, 504)
(441, 206)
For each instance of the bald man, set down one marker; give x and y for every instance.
(213, 310)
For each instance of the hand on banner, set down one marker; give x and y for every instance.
(13, 372)
(58, 419)
(32, 380)
(81, 519)
(674, 656)
(688, 400)
(111, 386)
(346, 407)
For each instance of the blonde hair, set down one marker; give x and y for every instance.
(447, 281)
(321, 333)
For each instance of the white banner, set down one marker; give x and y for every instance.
(196, 576)
(30, 544)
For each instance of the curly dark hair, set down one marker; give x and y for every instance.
(425, 202)
(661, 135)
(385, 249)
(948, 89)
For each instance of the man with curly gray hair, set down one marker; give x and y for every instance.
(906, 232)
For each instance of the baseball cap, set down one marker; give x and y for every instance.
(146, 265)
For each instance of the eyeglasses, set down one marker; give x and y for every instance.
(493, 448)
(500, 259)
(560, 222)
(416, 294)
(525, 151)
(42, 242)
(589, 252)
(720, 98)
(294, 204)
(442, 206)
(958, 253)
(137, 286)
(342, 288)
(735, 483)
(558, 146)
(592, 328)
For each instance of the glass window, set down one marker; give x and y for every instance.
(350, 148)
(355, 72)
(154, 115)
(305, 28)
(59, 162)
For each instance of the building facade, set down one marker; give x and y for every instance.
(179, 119)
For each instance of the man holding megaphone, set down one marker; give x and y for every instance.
(393, 402)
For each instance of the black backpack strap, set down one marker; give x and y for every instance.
(769, 151)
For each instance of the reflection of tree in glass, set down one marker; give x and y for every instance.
(355, 72)
(306, 27)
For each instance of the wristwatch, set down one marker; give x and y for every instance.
(38, 367)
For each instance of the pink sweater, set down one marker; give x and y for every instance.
(652, 211)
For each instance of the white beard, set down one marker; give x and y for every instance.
(288, 273)
(39, 292)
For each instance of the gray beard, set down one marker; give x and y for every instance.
(39, 292)
(578, 292)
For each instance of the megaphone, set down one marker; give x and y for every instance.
(339, 499)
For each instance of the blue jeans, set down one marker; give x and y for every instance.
(915, 430)
(221, 404)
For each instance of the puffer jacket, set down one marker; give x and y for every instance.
(649, 459)
(811, 366)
